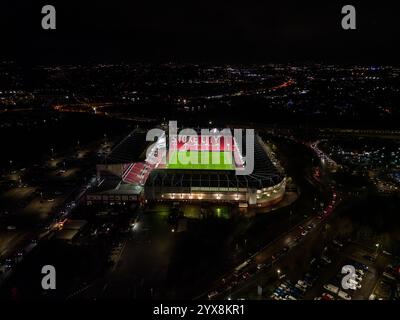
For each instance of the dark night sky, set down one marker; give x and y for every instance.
(90, 31)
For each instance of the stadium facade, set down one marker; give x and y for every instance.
(130, 173)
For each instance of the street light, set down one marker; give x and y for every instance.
(377, 248)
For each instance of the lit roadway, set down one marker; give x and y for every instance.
(231, 284)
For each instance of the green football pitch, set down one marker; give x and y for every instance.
(205, 160)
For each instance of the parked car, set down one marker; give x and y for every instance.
(275, 296)
(301, 288)
(344, 295)
(260, 266)
(302, 283)
(358, 277)
(331, 288)
(359, 272)
(327, 296)
(337, 243)
(326, 259)
(212, 294)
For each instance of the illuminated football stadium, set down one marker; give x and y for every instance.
(189, 168)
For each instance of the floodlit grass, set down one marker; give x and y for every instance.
(206, 160)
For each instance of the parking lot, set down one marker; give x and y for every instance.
(324, 279)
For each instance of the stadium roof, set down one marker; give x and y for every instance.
(115, 186)
(129, 150)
